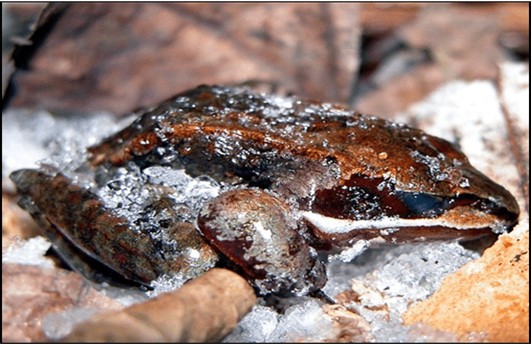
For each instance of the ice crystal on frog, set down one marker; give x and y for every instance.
(124, 191)
(188, 191)
(434, 164)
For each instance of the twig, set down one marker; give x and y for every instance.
(205, 309)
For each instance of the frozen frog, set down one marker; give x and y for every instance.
(291, 177)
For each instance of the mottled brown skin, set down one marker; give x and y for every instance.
(359, 149)
(74, 219)
(320, 158)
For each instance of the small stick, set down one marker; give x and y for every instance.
(205, 309)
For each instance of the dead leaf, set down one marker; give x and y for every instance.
(401, 92)
(513, 89)
(16, 223)
(120, 56)
(350, 327)
(459, 42)
(29, 293)
(21, 18)
(489, 295)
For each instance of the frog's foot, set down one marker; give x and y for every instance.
(259, 233)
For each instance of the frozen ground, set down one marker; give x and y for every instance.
(387, 281)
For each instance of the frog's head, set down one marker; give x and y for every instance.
(419, 203)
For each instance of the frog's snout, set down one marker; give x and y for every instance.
(497, 199)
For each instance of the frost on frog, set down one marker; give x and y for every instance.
(267, 179)
(258, 233)
(134, 221)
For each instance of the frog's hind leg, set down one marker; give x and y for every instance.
(96, 241)
(82, 230)
(75, 259)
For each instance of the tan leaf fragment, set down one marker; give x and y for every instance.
(30, 293)
(488, 295)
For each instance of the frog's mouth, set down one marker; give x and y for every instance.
(451, 225)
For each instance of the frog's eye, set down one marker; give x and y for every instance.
(423, 204)
(258, 233)
(364, 199)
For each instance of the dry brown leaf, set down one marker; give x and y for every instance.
(465, 47)
(16, 223)
(384, 17)
(20, 18)
(459, 41)
(120, 56)
(29, 293)
(350, 327)
(402, 92)
(205, 309)
(513, 89)
(489, 295)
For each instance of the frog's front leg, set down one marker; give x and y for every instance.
(83, 231)
(259, 233)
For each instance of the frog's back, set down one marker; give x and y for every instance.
(238, 136)
(359, 144)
